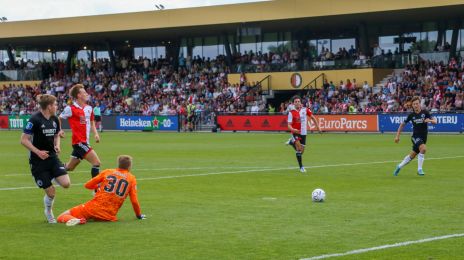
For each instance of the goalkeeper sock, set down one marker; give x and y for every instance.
(420, 161)
(405, 161)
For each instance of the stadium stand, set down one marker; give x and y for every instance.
(173, 71)
(151, 87)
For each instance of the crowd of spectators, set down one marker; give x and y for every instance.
(439, 85)
(141, 86)
(342, 53)
(20, 64)
(292, 60)
(150, 87)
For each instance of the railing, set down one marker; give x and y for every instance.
(307, 66)
(265, 90)
(442, 56)
(256, 68)
(314, 81)
(20, 75)
(394, 61)
(202, 120)
(336, 64)
(388, 60)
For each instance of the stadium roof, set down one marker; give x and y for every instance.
(156, 26)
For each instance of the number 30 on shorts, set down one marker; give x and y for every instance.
(121, 185)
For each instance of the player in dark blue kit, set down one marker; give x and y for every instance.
(41, 138)
(419, 119)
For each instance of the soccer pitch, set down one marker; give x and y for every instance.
(241, 196)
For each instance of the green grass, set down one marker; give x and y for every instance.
(258, 208)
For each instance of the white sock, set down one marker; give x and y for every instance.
(420, 161)
(48, 202)
(405, 161)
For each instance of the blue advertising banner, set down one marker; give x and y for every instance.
(445, 123)
(147, 123)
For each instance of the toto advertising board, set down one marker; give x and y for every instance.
(330, 123)
(147, 123)
(445, 123)
(18, 122)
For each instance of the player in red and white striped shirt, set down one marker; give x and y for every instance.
(298, 123)
(81, 120)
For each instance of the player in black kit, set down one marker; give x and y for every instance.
(43, 128)
(419, 119)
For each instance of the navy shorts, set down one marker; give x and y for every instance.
(44, 171)
(417, 142)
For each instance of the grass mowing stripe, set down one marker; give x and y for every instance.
(364, 250)
(252, 170)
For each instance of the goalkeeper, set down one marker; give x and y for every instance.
(113, 186)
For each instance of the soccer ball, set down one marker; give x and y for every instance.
(318, 195)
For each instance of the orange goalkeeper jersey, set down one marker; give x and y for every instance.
(113, 187)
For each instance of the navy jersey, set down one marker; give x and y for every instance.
(43, 133)
(419, 127)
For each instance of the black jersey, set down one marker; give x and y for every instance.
(419, 127)
(43, 133)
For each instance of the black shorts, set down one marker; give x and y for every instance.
(80, 150)
(46, 170)
(190, 118)
(98, 118)
(301, 138)
(416, 142)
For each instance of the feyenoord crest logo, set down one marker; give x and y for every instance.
(296, 80)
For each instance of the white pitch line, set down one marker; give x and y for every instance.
(364, 250)
(215, 173)
(172, 177)
(245, 171)
(245, 167)
(380, 162)
(151, 169)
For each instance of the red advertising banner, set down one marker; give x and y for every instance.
(329, 123)
(3, 122)
(253, 123)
